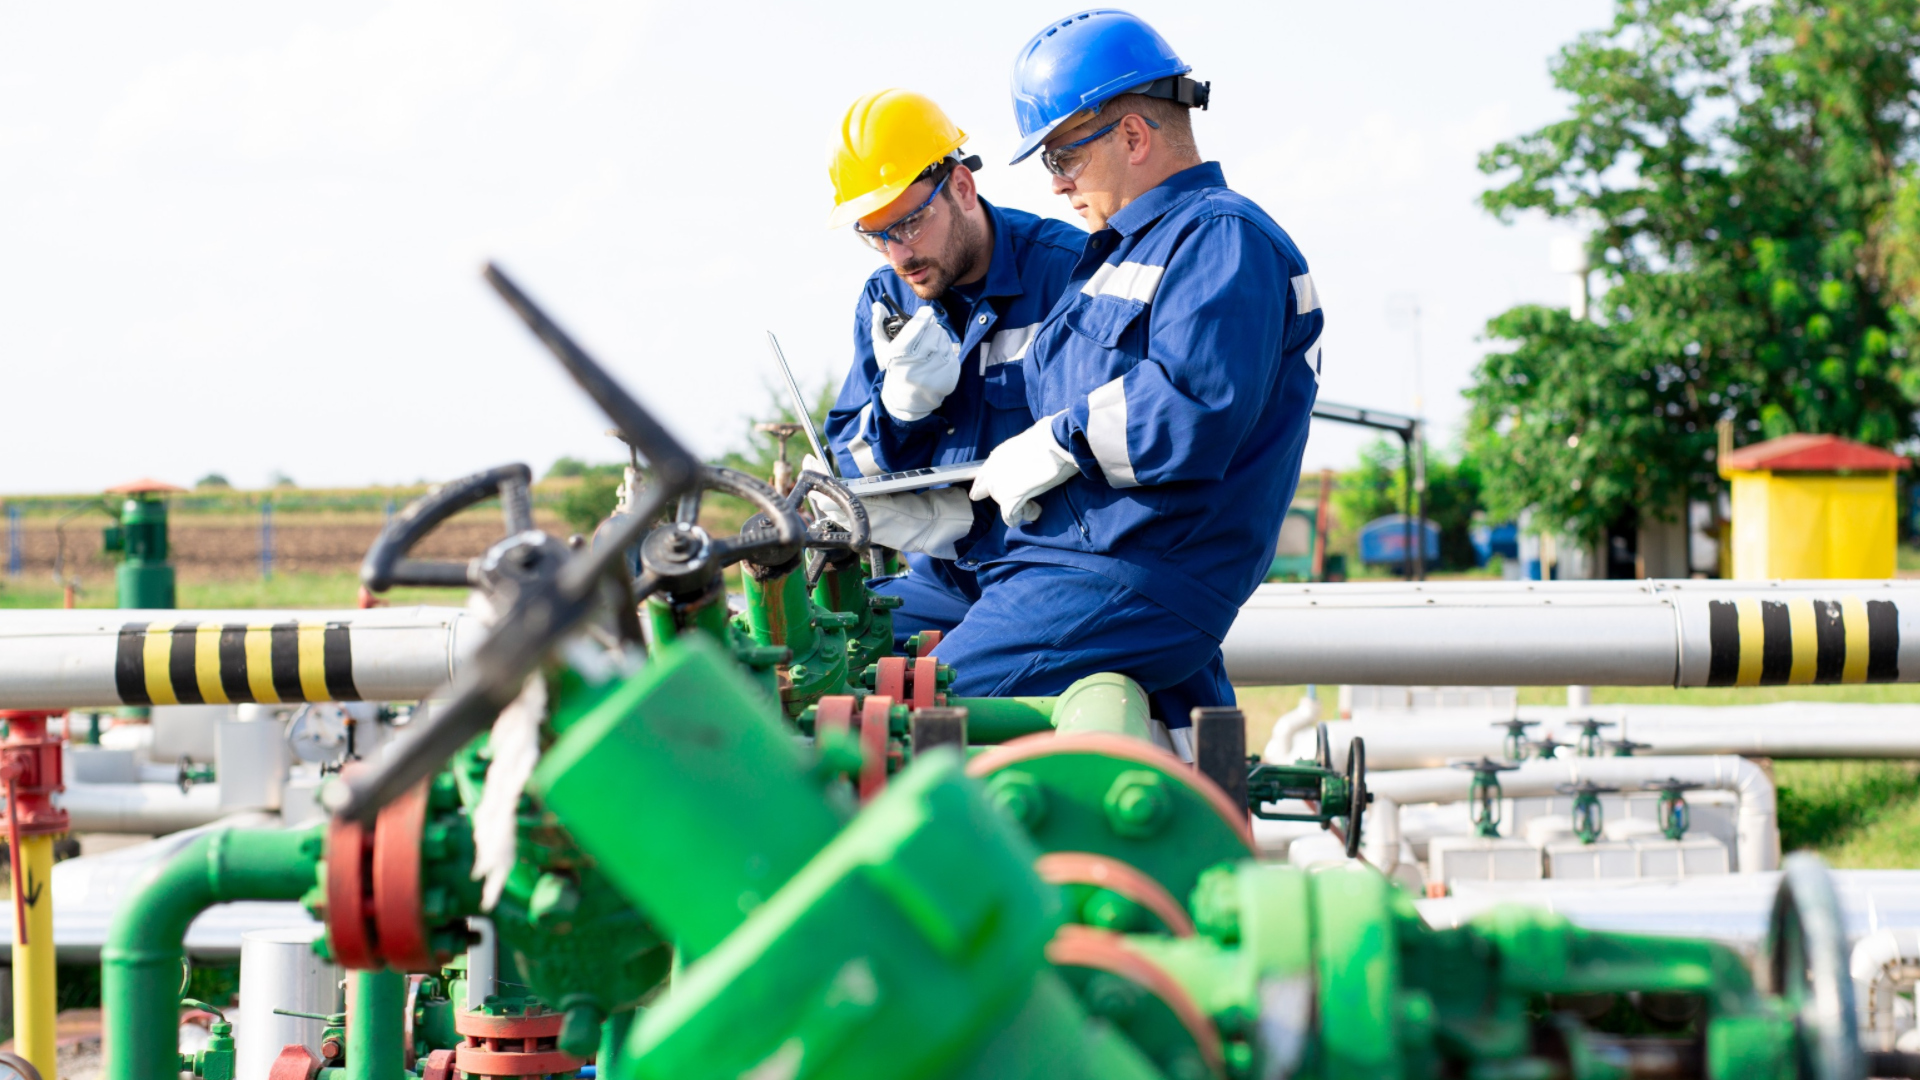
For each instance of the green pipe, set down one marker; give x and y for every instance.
(845, 589)
(376, 1015)
(1106, 702)
(141, 962)
(709, 614)
(779, 611)
(613, 1035)
(998, 720)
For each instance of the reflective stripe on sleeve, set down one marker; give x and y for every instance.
(860, 449)
(1107, 432)
(1129, 280)
(1307, 298)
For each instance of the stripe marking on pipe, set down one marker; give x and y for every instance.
(1883, 641)
(153, 654)
(1752, 634)
(1830, 634)
(1754, 642)
(1853, 617)
(128, 680)
(257, 664)
(1776, 643)
(1723, 643)
(206, 663)
(1804, 640)
(193, 663)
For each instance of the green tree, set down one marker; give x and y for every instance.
(1739, 167)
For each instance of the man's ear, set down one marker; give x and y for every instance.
(965, 191)
(1139, 138)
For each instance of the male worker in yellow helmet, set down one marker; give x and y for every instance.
(973, 280)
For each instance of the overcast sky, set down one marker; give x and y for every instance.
(246, 238)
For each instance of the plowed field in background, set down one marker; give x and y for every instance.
(203, 551)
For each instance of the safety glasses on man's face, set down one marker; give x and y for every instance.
(1069, 161)
(906, 229)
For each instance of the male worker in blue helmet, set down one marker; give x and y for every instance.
(1172, 386)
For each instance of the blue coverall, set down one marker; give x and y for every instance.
(1180, 370)
(993, 321)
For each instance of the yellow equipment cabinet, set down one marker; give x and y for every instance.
(1813, 506)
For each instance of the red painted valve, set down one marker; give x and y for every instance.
(30, 760)
(525, 1044)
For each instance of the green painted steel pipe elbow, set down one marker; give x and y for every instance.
(1108, 702)
(140, 965)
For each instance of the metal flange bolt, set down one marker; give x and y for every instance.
(1138, 804)
(1021, 796)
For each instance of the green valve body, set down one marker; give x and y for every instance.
(144, 577)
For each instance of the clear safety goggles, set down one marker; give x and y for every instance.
(905, 230)
(1069, 161)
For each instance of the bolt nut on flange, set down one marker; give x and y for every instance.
(1021, 796)
(1138, 804)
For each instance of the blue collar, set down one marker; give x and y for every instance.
(1003, 277)
(1171, 192)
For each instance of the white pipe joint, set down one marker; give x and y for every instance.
(1758, 847)
(1883, 963)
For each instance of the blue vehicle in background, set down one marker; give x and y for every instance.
(1383, 542)
(1490, 540)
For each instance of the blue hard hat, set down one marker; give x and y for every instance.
(1082, 61)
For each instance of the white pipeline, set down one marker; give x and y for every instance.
(1759, 830)
(101, 659)
(1600, 633)
(1435, 737)
(140, 809)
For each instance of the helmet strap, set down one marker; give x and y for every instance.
(1178, 88)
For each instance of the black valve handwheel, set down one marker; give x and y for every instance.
(682, 558)
(389, 562)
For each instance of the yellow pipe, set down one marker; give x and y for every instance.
(33, 962)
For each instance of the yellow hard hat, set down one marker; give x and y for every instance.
(887, 140)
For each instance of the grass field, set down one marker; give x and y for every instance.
(288, 589)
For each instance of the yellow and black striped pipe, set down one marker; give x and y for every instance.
(211, 663)
(1797, 640)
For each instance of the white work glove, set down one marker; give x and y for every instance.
(1021, 469)
(930, 522)
(922, 364)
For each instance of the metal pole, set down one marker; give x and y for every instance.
(1406, 552)
(266, 540)
(35, 995)
(15, 555)
(1418, 499)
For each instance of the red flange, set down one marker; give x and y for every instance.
(874, 716)
(926, 683)
(349, 930)
(295, 1062)
(833, 711)
(399, 927)
(439, 1066)
(928, 639)
(540, 1025)
(892, 680)
(510, 1046)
